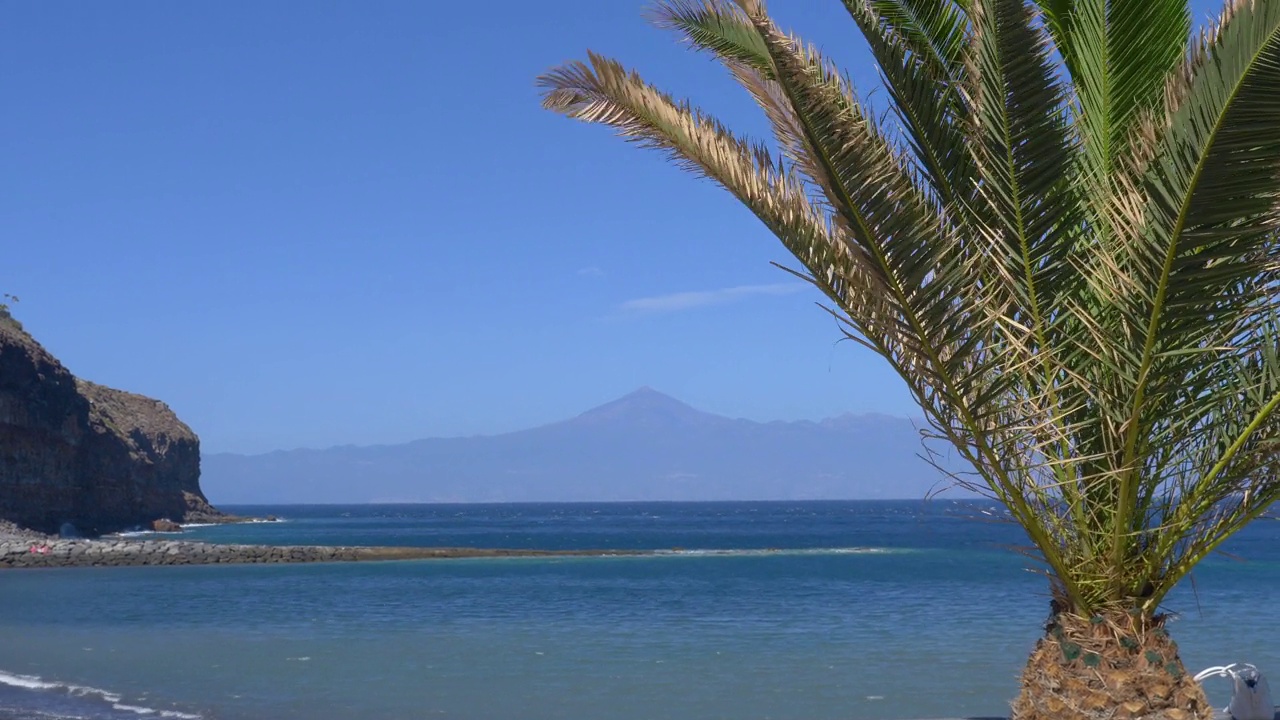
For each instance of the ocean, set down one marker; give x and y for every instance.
(752, 611)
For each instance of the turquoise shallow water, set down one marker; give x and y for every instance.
(797, 611)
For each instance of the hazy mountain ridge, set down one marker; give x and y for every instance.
(644, 446)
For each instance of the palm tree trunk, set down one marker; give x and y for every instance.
(1115, 666)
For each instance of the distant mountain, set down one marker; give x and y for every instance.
(644, 446)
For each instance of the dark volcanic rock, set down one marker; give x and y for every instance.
(141, 460)
(75, 452)
(200, 511)
(43, 420)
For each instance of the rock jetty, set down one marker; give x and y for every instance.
(35, 552)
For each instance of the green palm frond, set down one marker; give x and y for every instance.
(933, 29)
(1024, 148)
(717, 26)
(1120, 54)
(920, 54)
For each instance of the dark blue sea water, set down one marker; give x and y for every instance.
(788, 611)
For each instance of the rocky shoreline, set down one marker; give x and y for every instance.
(32, 551)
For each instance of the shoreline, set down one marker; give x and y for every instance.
(28, 553)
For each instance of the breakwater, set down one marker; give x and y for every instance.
(37, 553)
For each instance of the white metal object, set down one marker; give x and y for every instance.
(1252, 697)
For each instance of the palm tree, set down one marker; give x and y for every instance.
(1064, 239)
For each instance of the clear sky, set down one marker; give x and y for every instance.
(312, 224)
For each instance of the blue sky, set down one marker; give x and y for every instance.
(350, 222)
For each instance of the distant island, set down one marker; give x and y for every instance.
(644, 446)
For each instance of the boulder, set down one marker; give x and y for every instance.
(164, 525)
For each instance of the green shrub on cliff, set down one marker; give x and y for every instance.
(4, 309)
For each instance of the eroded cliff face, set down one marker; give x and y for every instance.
(72, 451)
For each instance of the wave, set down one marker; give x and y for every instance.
(94, 698)
(30, 682)
(152, 711)
(679, 552)
(760, 552)
(233, 523)
(192, 526)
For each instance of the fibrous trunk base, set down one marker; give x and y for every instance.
(1113, 667)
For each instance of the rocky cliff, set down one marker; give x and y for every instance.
(72, 451)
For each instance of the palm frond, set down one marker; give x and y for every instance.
(1024, 149)
(1201, 250)
(920, 54)
(1058, 16)
(604, 92)
(1026, 210)
(1119, 54)
(716, 26)
(934, 29)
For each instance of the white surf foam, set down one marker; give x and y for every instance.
(33, 682)
(84, 691)
(764, 552)
(152, 711)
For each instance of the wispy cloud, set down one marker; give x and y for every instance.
(591, 271)
(677, 302)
